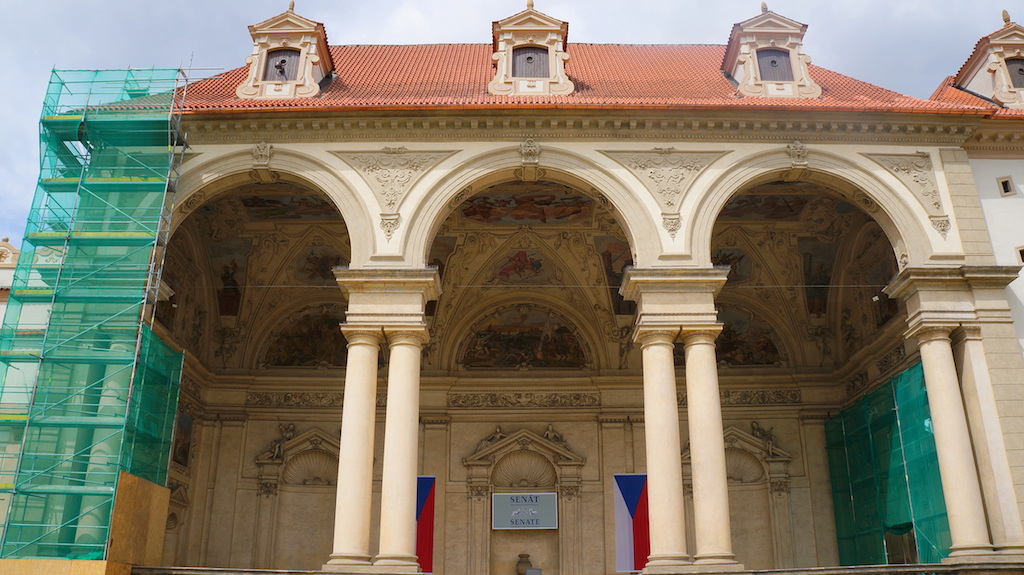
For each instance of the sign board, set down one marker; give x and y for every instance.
(524, 511)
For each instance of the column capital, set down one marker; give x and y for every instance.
(406, 335)
(930, 332)
(646, 336)
(699, 334)
(363, 334)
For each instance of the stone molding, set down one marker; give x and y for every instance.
(917, 173)
(838, 129)
(523, 399)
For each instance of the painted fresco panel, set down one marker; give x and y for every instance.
(818, 259)
(766, 207)
(615, 257)
(521, 203)
(523, 266)
(310, 339)
(738, 262)
(228, 261)
(524, 336)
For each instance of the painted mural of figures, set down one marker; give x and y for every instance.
(229, 298)
(531, 338)
(545, 203)
(522, 265)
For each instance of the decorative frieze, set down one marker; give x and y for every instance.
(891, 359)
(753, 397)
(524, 399)
(301, 399)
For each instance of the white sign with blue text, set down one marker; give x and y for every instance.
(524, 511)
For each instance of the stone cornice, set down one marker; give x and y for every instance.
(721, 125)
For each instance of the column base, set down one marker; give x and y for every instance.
(718, 562)
(345, 563)
(971, 554)
(397, 563)
(667, 564)
(692, 568)
(374, 569)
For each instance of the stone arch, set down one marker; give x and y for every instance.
(900, 220)
(632, 209)
(205, 180)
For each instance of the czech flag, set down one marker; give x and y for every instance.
(425, 522)
(632, 523)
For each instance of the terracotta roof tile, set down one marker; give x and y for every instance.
(455, 76)
(950, 93)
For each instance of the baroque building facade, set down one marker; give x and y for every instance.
(553, 263)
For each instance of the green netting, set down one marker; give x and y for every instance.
(885, 479)
(87, 390)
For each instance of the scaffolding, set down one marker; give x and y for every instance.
(886, 488)
(87, 390)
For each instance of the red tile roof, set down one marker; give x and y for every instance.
(950, 93)
(455, 76)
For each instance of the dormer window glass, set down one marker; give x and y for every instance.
(282, 66)
(530, 62)
(774, 65)
(1015, 66)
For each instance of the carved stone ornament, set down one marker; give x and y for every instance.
(267, 488)
(797, 154)
(530, 151)
(479, 490)
(666, 172)
(672, 224)
(941, 225)
(392, 172)
(891, 359)
(389, 223)
(524, 399)
(192, 202)
(916, 172)
(261, 153)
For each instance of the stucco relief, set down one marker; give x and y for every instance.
(916, 172)
(391, 172)
(753, 397)
(666, 172)
(311, 399)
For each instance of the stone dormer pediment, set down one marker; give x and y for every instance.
(529, 55)
(765, 58)
(289, 59)
(995, 70)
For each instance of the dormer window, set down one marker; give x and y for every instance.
(1015, 66)
(529, 55)
(995, 70)
(765, 58)
(289, 59)
(282, 66)
(530, 62)
(774, 65)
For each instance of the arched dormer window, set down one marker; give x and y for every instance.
(282, 65)
(774, 65)
(530, 62)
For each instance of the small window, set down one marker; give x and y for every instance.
(530, 62)
(1006, 187)
(282, 66)
(1020, 255)
(774, 65)
(1016, 68)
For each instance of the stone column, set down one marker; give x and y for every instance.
(961, 491)
(989, 447)
(664, 467)
(707, 448)
(401, 446)
(355, 457)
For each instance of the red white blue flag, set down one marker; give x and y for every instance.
(425, 522)
(632, 523)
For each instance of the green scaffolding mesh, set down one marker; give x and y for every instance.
(87, 390)
(885, 477)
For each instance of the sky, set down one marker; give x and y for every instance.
(908, 46)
